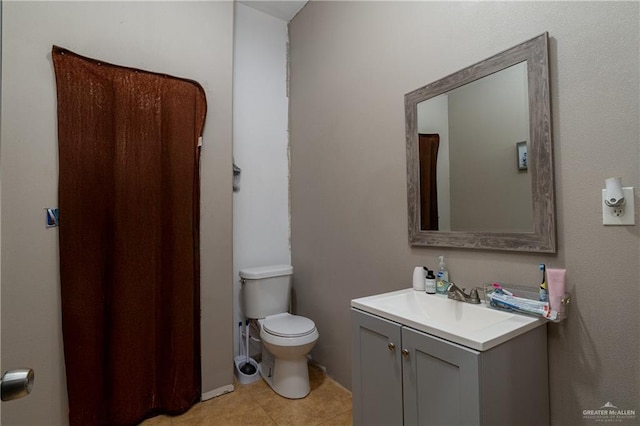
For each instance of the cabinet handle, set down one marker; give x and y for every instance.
(391, 346)
(405, 353)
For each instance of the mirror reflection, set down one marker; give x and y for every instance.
(472, 145)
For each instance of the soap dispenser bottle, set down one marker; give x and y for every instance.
(443, 277)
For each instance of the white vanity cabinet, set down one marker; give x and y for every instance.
(405, 376)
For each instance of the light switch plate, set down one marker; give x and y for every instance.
(613, 216)
(52, 217)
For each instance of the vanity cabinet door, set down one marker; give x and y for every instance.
(377, 371)
(441, 381)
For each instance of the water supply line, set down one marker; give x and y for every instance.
(256, 327)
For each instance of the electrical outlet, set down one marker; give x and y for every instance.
(618, 211)
(622, 215)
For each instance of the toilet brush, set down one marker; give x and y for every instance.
(247, 368)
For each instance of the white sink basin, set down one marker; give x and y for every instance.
(474, 326)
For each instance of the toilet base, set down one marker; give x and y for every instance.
(287, 377)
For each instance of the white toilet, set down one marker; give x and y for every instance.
(286, 338)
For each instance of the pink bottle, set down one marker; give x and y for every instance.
(555, 281)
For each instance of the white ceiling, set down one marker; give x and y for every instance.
(284, 9)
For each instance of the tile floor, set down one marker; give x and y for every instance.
(328, 404)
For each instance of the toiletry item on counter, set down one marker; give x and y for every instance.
(442, 277)
(519, 304)
(543, 285)
(555, 281)
(419, 275)
(504, 290)
(430, 283)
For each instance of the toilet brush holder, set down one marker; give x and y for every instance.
(243, 378)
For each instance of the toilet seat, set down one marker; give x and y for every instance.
(288, 330)
(288, 326)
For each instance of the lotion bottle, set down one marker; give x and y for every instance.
(555, 281)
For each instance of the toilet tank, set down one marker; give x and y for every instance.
(265, 290)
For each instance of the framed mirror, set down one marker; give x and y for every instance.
(479, 155)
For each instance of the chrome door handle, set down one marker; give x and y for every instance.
(15, 384)
(391, 346)
(405, 353)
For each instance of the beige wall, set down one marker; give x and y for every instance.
(352, 63)
(192, 40)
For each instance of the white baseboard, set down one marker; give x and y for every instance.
(217, 392)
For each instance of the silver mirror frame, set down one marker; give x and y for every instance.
(543, 237)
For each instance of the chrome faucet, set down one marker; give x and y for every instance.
(456, 293)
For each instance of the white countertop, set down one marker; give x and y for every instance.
(475, 326)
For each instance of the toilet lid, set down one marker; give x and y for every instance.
(287, 325)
